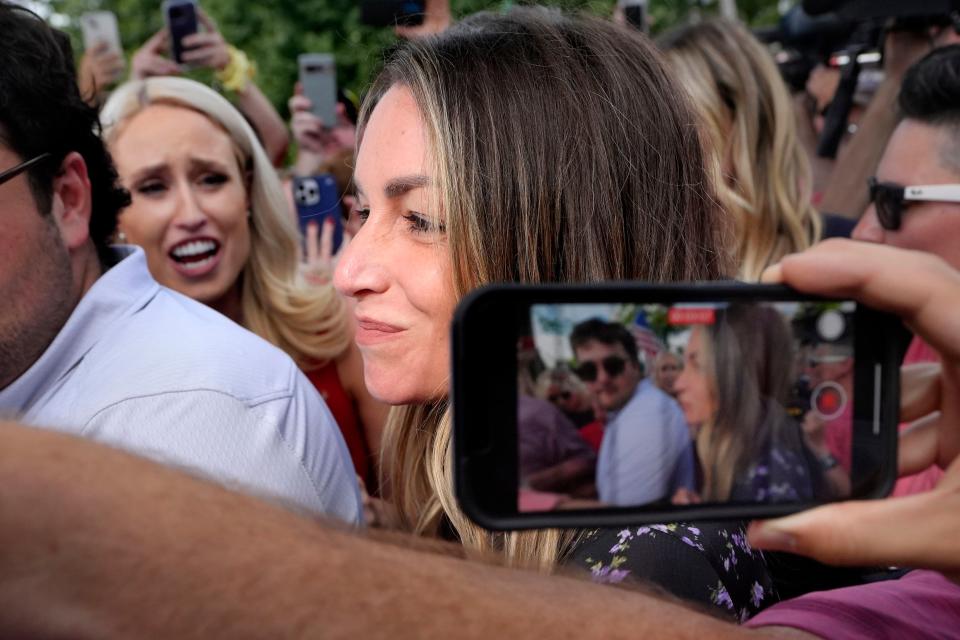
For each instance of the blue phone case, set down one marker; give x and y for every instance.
(317, 199)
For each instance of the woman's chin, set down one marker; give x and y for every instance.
(400, 394)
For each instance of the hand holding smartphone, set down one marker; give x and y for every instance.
(318, 200)
(724, 439)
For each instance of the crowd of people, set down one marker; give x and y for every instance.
(758, 408)
(212, 413)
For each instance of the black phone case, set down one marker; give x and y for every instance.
(182, 22)
(484, 400)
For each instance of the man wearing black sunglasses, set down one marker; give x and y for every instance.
(646, 452)
(915, 196)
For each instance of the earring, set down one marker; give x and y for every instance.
(121, 237)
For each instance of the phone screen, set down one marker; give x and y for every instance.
(626, 403)
(661, 405)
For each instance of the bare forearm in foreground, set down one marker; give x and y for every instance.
(98, 543)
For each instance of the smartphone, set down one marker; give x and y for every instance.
(317, 199)
(391, 13)
(181, 20)
(101, 26)
(775, 402)
(318, 78)
(635, 11)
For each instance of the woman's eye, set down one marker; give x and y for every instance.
(422, 224)
(153, 187)
(214, 179)
(362, 214)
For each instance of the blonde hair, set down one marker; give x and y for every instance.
(749, 126)
(562, 152)
(308, 322)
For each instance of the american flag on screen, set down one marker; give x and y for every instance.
(648, 343)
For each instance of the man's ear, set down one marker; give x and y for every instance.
(72, 201)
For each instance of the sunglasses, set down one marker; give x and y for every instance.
(13, 172)
(613, 365)
(890, 199)
(556, 397)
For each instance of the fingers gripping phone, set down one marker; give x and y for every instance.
(618, 404)
(181, 20)
(101, 27)
(318, 199)
(318, 78)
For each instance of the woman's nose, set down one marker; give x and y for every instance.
(361, 269)
(190, 215)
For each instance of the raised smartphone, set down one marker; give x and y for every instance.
(180, 17)
(391, 13)
(317, 199)
(318, 78)
(100, 26)
(608, 405)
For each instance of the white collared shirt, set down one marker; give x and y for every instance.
(646, 451)
(143, 368)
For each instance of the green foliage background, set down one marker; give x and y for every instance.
(274, 32)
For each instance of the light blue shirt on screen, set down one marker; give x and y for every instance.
(143, 368)
(646, 453)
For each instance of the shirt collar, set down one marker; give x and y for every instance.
(119, 293)
(612, 415)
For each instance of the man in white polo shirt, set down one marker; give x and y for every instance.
(91, 345)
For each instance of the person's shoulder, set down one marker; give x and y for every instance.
(650, 396)
(175, 343)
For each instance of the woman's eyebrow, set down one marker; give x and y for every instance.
(400, 186)
(148, 171)
(205, 164)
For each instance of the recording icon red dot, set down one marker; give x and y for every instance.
(828, 400)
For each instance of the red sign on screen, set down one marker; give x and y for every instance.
(691, 315)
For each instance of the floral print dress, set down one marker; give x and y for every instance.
(708, 563)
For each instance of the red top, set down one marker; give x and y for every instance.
(327, 382)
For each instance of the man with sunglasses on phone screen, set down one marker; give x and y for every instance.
(646, 453)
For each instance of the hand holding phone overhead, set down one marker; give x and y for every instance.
(725, 440)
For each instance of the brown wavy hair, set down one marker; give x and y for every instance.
(563, 152)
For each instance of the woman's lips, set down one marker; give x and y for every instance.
(195, 258)
(371, 332)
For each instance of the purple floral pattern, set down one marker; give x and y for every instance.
(709, 563)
